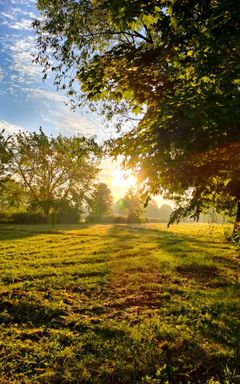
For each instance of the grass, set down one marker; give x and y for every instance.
(119, 304)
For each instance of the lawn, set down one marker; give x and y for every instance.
(119, 304)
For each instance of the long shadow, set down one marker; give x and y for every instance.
(126, 304)
(182, 245)
(217, 318)
(15, 232)
(197, 273)
(28, 312)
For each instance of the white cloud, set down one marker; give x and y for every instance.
(10, 128)
(21, 53)
(7, 15)
(22, 25)
(1, 74)
(77, 124)
(27, 3)
(70, 123)
(45, 94)
(16, 17)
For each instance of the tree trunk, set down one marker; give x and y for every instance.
(236, 226)
(46, 210)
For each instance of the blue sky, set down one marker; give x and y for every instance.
(25, 100)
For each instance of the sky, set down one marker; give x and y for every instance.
(27, 102)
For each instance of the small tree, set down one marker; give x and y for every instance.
(165, 212)
(102, 200)
(135, 205)
(151, 210)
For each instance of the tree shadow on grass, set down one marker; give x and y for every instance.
(28, 312)
(196, 259)
(149, 283)
(216, 318)
(15, 232)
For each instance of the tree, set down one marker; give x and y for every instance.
(151, 211)
(134, 204)
(12, 195)
(165, 212)
(173, 63)
(101, 201)
(5, 157)
(55, 169)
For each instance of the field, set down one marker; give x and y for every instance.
(119, 304)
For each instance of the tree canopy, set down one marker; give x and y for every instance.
(101, 201)
(56, 169)
(174, 64)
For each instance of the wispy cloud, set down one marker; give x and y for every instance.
(9, 16)
(22, 25)
(46, 94)
(1, 74)
(22, 61)
(17, 16)
(70, 123)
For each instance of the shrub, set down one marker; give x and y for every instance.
(22, 218)
(100, 219)
(67, 215)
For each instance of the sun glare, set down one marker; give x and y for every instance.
(123, 179)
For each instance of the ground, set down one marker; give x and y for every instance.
(119, 304)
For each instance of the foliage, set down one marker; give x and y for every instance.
(22, 218)
(101, 200)
(118, 304)
(134, 204)
(67, 213)
(5, 157)
(165, 212)
(120, 207)
(106, 219)
(173, 63)
(12, 196)
(151, 211)
(55, 169)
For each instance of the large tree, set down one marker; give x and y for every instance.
(175, 63)
(55, 169)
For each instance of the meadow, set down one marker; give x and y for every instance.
(112, 304)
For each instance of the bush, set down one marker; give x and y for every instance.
(67, 215)
(120, 220)
(133, 218)
(22, 218)
(100, 219)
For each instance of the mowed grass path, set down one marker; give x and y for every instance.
(119, 304)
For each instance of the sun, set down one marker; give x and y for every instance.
(123, 179)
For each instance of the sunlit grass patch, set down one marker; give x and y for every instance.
(115, 304)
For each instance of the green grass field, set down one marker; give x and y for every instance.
(119, 304)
